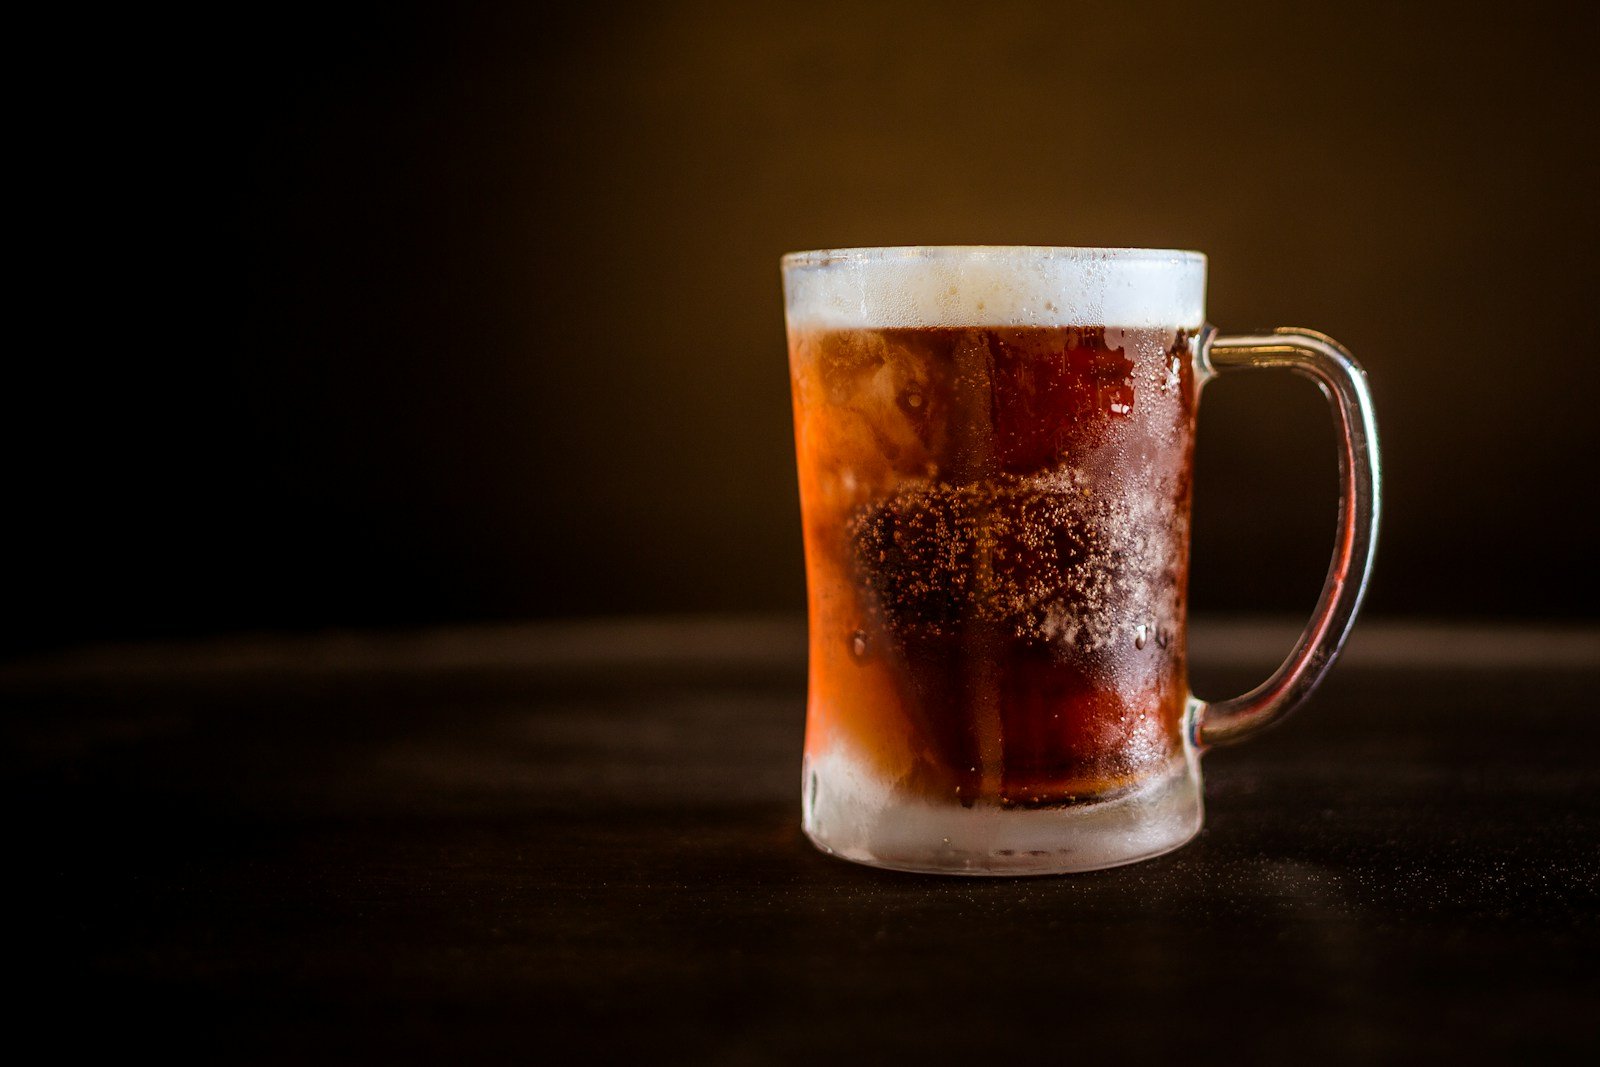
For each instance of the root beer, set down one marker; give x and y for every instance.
(996, 530)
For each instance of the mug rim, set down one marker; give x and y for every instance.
(823, 257)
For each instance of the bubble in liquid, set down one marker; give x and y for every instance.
(1117, 400)
(858, 644)
(1141, 636)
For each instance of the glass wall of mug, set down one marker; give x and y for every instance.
(995, 450)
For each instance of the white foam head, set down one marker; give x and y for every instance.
(982, 285)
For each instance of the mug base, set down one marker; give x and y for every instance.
(848, 815)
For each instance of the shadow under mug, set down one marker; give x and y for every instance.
(995, 451)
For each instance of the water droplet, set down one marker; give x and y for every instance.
(1141, 636)
(858, 644)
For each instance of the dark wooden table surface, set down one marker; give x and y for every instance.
(490, 844)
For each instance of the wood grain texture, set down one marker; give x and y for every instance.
(397, 846)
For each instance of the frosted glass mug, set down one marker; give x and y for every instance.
(995, 450)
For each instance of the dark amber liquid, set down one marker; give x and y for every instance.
(996, 525)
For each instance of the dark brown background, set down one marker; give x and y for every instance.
(399, 314)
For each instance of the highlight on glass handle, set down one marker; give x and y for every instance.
(1342, 380)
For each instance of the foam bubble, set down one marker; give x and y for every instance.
(881, 288)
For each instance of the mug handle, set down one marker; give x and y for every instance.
(1343, 382)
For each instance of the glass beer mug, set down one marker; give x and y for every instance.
(995, 451)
